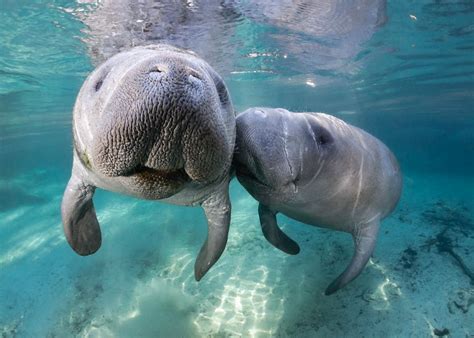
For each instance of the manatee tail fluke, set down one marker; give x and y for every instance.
(217, 209)
(365, 237)
(80, 223)
(273, 233)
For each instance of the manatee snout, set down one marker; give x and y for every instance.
(155, 121)
(272, 157)
(251, 145)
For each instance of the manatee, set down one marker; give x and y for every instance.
(156, 123)
(319, 170)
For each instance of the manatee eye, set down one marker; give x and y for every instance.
(104, 72)
(98, 85)
(322, 135)
(322, 139)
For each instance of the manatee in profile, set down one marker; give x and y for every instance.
(319, 170)
(157, 123)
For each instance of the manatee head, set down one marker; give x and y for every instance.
(153, 119)
(277, 151)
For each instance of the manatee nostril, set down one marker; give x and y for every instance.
(158, 69)
(193, 74)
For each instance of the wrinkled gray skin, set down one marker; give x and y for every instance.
(319, 170)
(157, 123)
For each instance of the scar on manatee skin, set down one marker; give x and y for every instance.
(82, 156)
(85, 160)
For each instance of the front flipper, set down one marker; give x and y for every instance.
(273, 233)
(79, 219)
(217, 210)
(365, 237)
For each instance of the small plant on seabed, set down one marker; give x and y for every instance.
(451, 219)
(457, 217)
(462, 301)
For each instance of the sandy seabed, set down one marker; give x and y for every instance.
(141, 282)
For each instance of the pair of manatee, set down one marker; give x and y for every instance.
(157, 123)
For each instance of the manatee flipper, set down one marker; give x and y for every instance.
(365, 237)
(273, 233)
(217, 209)
(80, 223)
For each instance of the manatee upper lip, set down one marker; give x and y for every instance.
(253, 184)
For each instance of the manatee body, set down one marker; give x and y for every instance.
(157, 123)
(319, 170)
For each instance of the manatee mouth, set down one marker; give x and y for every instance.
(157, 184)
(144, 173)
(147, 173)
(246, 176)
(242, 170)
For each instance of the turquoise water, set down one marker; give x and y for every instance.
(404, 72)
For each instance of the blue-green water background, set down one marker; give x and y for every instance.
(411, 84)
